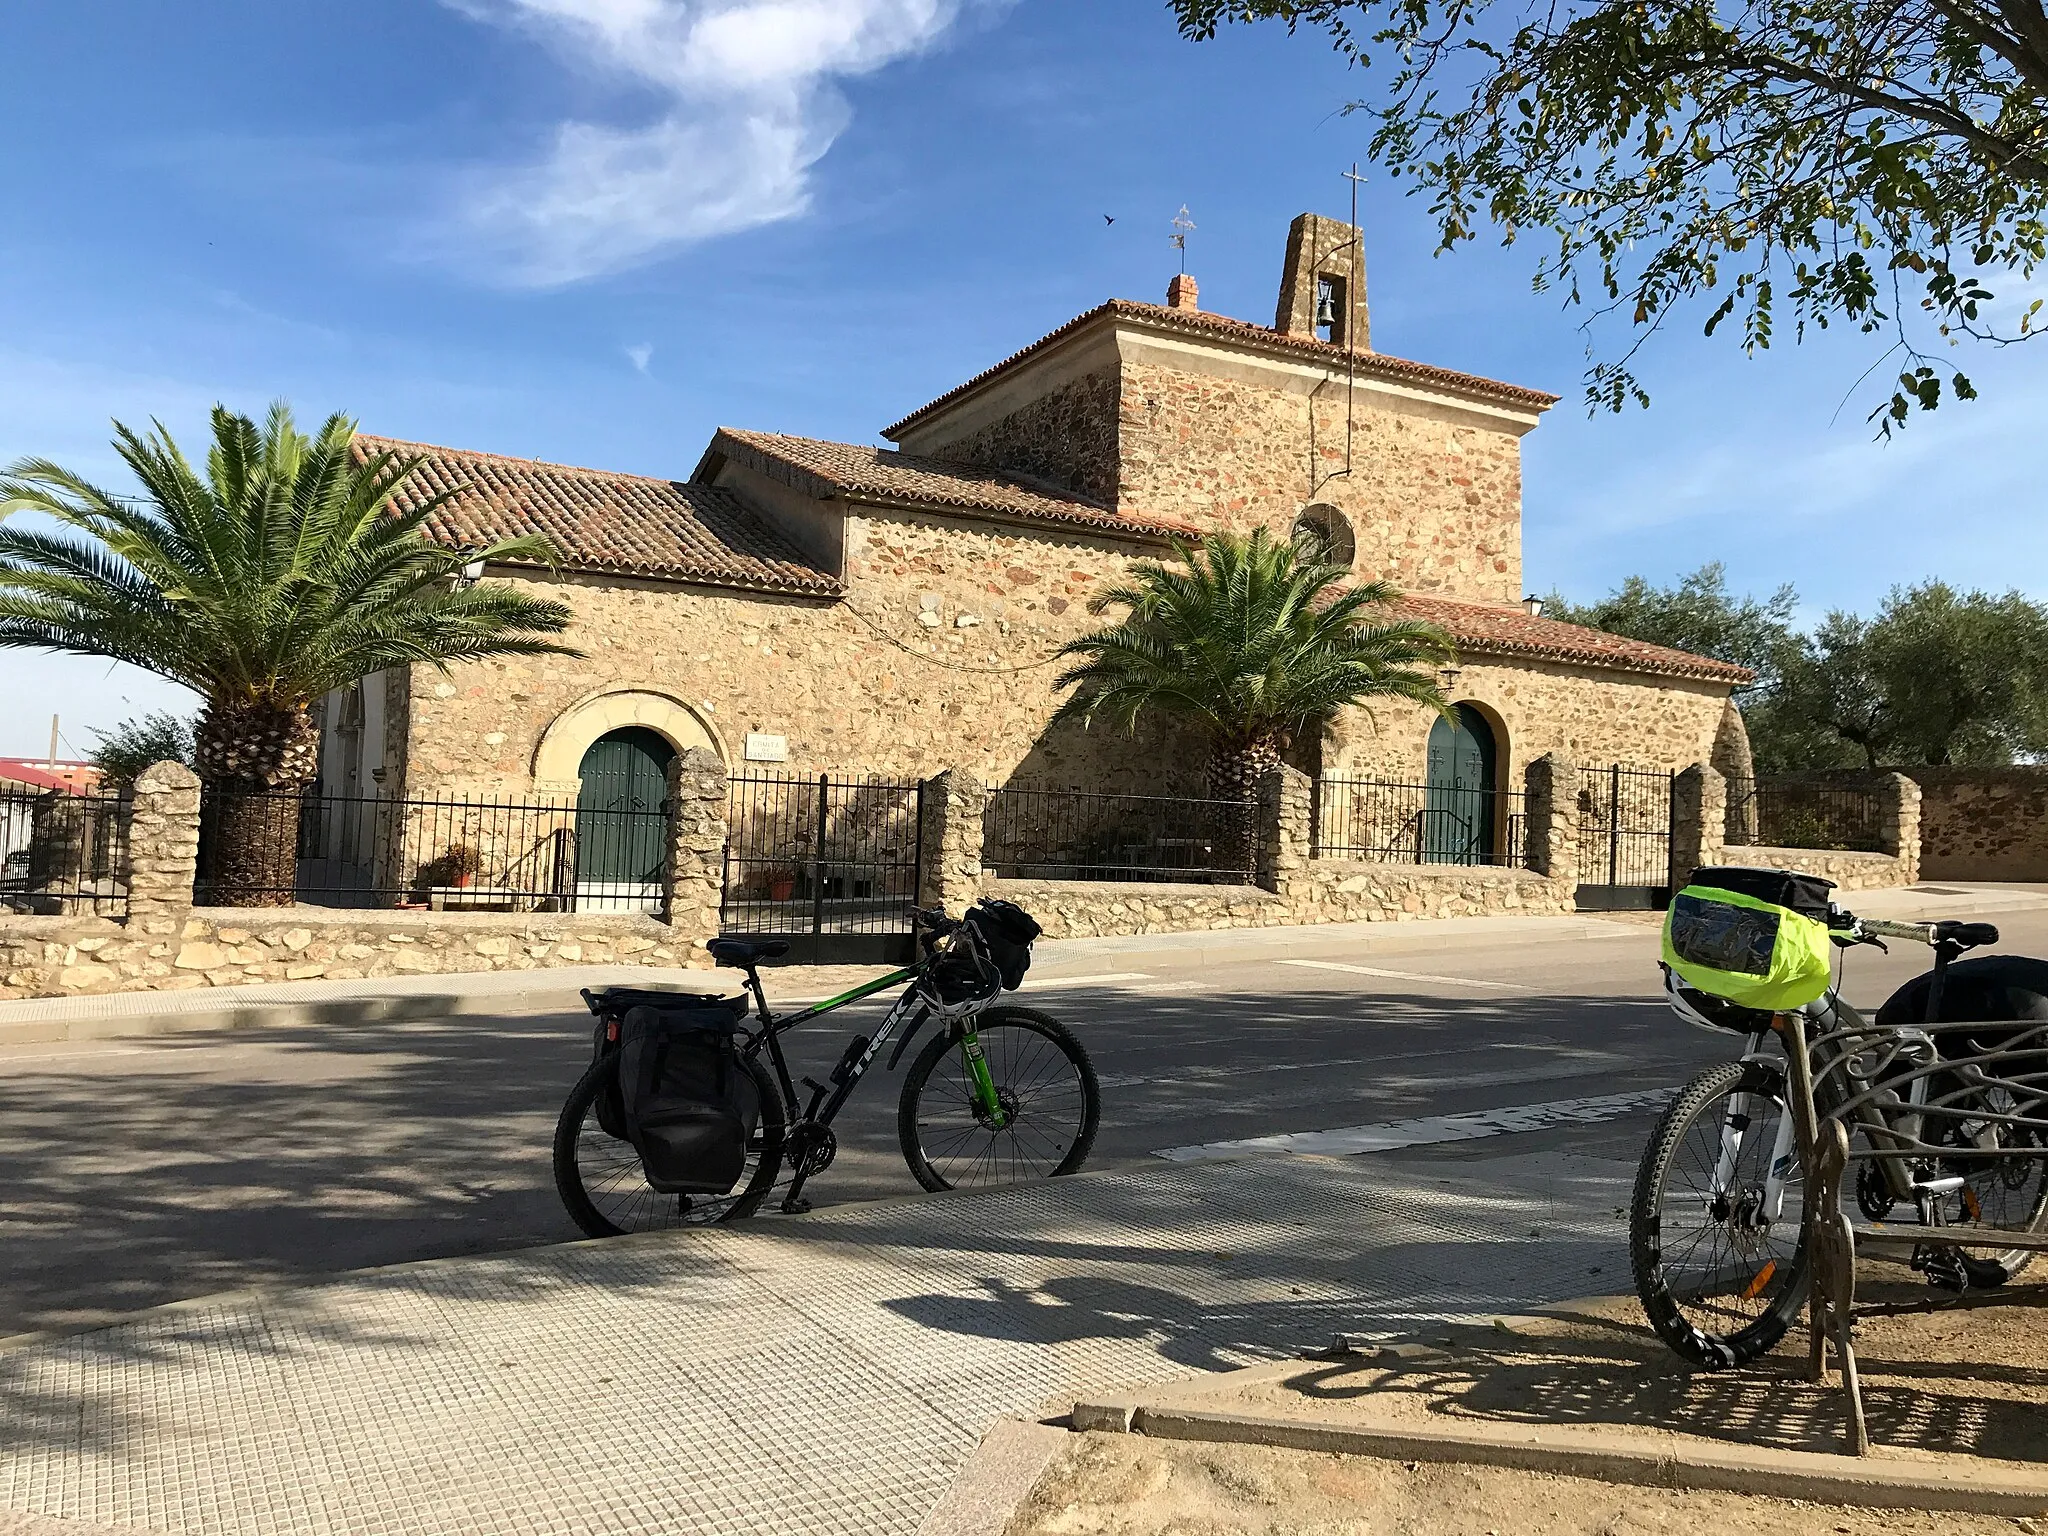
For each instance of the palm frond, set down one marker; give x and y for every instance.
(1249, 640)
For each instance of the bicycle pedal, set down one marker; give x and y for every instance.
(1942, 1265)
(795, 1205)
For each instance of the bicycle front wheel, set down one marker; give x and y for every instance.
(1720, 1263)
(1045, 1086)
(605, 1189)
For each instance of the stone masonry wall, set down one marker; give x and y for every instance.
(1067, 436)
(1983, 823)
(1433, 498)
(945, 655)
(1850, 871)
(226, 947)
(1538, 709)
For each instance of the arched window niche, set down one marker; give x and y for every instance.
(1324, 533)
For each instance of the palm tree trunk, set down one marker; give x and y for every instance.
(256, 759)
(1235, 769)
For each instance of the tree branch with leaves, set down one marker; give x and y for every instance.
(1818, 161)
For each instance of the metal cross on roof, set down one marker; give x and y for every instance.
(1182, 224)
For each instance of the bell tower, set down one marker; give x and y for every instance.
(1322, 287)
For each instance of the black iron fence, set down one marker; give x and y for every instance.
(63, 855)
(1390, 822)
(452, 855)
(1071, 834)
(1624, 817)
(829, 863)
(1770, 813)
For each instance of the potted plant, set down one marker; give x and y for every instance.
(781, 884)
(463, 864)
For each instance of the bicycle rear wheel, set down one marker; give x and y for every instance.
(1720, 1274)
(1045, 1083)
(605, 1189)
(2001, 1194)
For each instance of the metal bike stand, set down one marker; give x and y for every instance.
(1869, 1075)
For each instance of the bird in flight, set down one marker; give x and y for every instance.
(1109, 218)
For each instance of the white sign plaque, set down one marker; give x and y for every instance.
(767, 749)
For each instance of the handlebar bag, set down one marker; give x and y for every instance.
(1757, 937)
(689, 1102)
(1006, 932)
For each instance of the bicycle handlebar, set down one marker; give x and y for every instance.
(1963, 935)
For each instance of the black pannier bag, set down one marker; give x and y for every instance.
(1006, 932)
(689, 1103)
(610, 1005)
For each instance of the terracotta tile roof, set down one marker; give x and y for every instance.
(603, 521)
(825, 469)
(1195, 322)
(1501, 630)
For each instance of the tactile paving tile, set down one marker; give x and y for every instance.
(821, 1374)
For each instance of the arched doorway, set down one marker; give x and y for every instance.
(1458, 815)
(621, 831)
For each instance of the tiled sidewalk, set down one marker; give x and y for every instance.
(821, 1374)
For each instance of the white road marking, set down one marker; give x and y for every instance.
(1086, 981)
(1373, 970)
(1469, 1126)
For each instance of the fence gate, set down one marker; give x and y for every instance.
(1624, 838)
(829, 864)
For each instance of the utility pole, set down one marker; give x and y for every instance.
(53, 741)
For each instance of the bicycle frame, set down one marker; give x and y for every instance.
(1878, 1128)
(829, 1097)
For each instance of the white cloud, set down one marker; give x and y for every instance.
(748, 104)
(641, 354)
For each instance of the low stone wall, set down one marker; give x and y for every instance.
(1351, 891)
(1849, 871)
(1321, 891)
(1088, 909)
(226, 947)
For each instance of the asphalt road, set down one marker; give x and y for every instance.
(139, 1172)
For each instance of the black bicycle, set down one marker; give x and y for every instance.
(1001, 1094)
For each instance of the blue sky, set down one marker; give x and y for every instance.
(592, 230)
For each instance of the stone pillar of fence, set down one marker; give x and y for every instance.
(1552, 841)
(696, 861)
(1286, 811)
(1699, 821)
(949, 867)
(1898, 823)
(163, 847)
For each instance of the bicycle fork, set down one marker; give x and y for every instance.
(986, 1100)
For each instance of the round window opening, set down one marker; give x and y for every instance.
(1323, 533)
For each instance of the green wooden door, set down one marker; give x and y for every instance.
(621, 833)
(1457, 819)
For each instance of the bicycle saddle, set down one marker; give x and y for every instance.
(746, 953)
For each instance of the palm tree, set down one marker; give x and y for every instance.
(1255, 641)
(281, 573)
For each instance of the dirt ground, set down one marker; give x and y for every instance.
(1969, 1380)
(1966, 1381)
(1126, 1485)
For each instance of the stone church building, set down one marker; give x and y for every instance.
(816, 606)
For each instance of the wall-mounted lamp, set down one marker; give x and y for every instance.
(1447, 678)
(1533, 606)
(472, 572)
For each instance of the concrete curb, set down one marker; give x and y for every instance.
(998, 1477)
(1660, 1462)
(15, 1522)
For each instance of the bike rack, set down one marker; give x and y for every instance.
(1864, 1068)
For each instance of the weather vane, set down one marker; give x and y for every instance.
(1181, 225)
